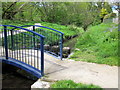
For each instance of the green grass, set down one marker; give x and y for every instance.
(16, 22)
(68, 31)
(98, 45)
(71, 84)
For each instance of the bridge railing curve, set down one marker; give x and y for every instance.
(53, 42)
(17, 43)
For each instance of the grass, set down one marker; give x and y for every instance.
(68, 31)
(71, 84)
(98, 45)
(16, 22)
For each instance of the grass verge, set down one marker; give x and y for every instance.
(71, 84)
(98, 45)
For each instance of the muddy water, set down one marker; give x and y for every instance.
(11, 79)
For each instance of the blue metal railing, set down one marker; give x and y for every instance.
(53, 40)
(27, 46)
(16, 46)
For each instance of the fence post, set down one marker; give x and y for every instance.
(34, 36)
(5, 41)
(42, 55)
(61, 46)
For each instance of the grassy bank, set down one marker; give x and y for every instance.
(98, 45)
(71, 84)
(16, 22)
(70, 30)
(67, 30)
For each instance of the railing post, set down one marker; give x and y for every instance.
(5, 41)
(61, 46)
(42, 55)
(34, 36)
(12, 39)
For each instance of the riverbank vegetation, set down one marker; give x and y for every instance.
(99, 45)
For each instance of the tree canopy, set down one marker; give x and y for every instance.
(79, 13)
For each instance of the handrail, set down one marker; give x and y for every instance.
(10, 51)
(25, 30)
(43, 27)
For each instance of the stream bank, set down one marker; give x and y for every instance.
(71, 44)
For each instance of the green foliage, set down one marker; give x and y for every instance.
(111, 15)
(100, 44)
(71, 84)
(82, 14)
(70, 30)
(16, 22)
(103, 13)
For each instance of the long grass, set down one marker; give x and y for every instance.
(68, 31)
(71, 84)
(98, 45)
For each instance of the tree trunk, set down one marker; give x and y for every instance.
(4, 15)
(11, 14)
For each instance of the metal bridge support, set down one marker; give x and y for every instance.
(5, 41)
(34, 36)
(42, 55)
(61, 47)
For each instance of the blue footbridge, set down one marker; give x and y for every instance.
(25, 46)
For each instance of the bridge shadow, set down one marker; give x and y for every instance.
(53, 65)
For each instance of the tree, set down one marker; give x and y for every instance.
(11, 9)
(81, 14)
(103, 13)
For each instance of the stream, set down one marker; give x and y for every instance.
(71, 44)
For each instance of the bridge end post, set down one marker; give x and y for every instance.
(34, 36)
(12, 41)
(61, 46)
(5, 41)
(42, 55)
